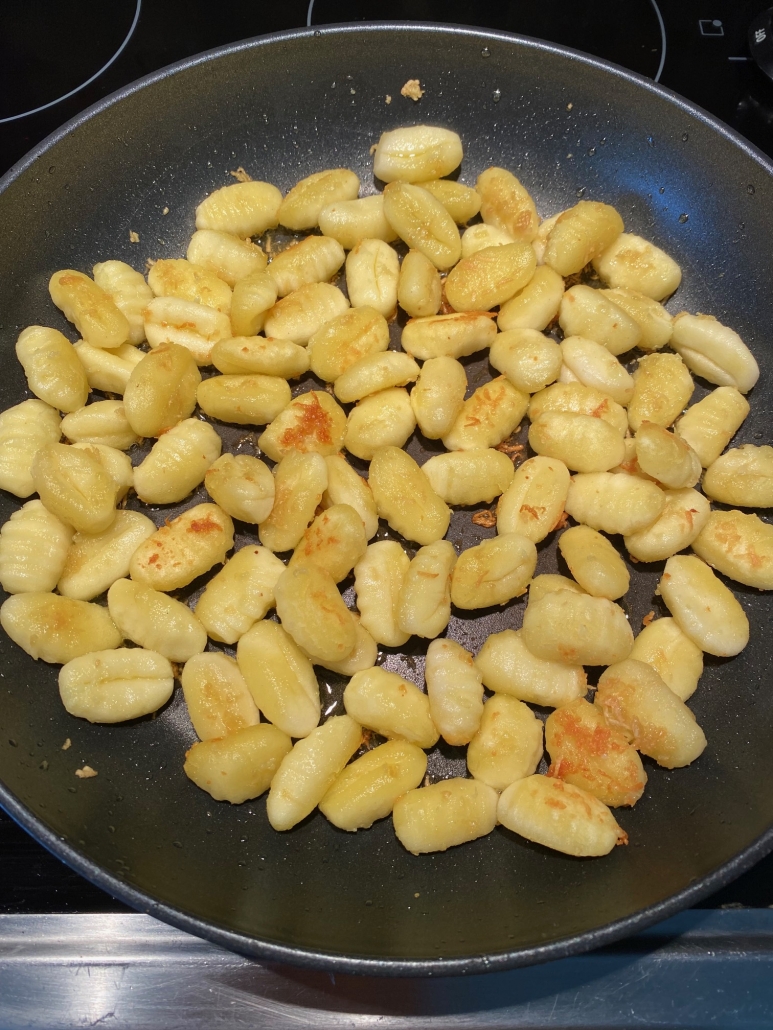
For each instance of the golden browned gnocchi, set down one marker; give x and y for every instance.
(242, 209)
(311, 422)
(92, 311)
(183, 549)
(581, 234)
(588, 415)
(588, 752)
(534, 502)
(258, 355)
(75, 487)
(57, 628)
(216, 694)
(178, 462)
(350, 221)
(405, 498)
(703, 607)
(488, 417)
(559, 815)
(313, 612)
(300, 480)
(577, 629)
(438, 395)
(302, 205)
(469, 477)
(417, 153)
(635, 699)
(378, 583)
(671, 653)
(594, 562)
(335, 541)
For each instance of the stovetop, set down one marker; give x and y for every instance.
(85, 49)
(56, 59)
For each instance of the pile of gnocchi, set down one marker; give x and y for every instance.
(554, 303)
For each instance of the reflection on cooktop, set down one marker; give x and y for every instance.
(50, 49)
(628, 33)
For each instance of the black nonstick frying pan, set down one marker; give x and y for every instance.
(283, 106)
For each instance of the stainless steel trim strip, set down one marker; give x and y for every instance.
(130, 972)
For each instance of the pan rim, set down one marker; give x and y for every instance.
(312, 958)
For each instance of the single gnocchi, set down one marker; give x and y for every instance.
(240, 766)
(455, 691)
(115, 686)
(560, 816)
(390, 705)
(444, 815)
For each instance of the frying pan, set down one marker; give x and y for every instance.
(283, 106)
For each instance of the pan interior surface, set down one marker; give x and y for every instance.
(282, 108)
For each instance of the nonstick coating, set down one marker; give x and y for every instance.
(284, 106)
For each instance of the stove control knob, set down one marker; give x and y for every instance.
(761, 41)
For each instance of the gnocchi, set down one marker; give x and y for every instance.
(265, 313)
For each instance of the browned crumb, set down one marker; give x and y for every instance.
(67, 745)
(134, 237)
(563, 521)
(569, 107)
(634, 560)
(585, 275)
(149, 262)
(648, 618)
(241, 175)
(487, 519)
(165, 211)
(86, 773)
(417, 894)
(373, 148)
(329, 388)
(388, 99)
(426, 780)
(412, 89)
(512, 449)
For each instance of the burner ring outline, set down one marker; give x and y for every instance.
(656, 77)
(66, 96)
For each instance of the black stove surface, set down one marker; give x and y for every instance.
(57, 59)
